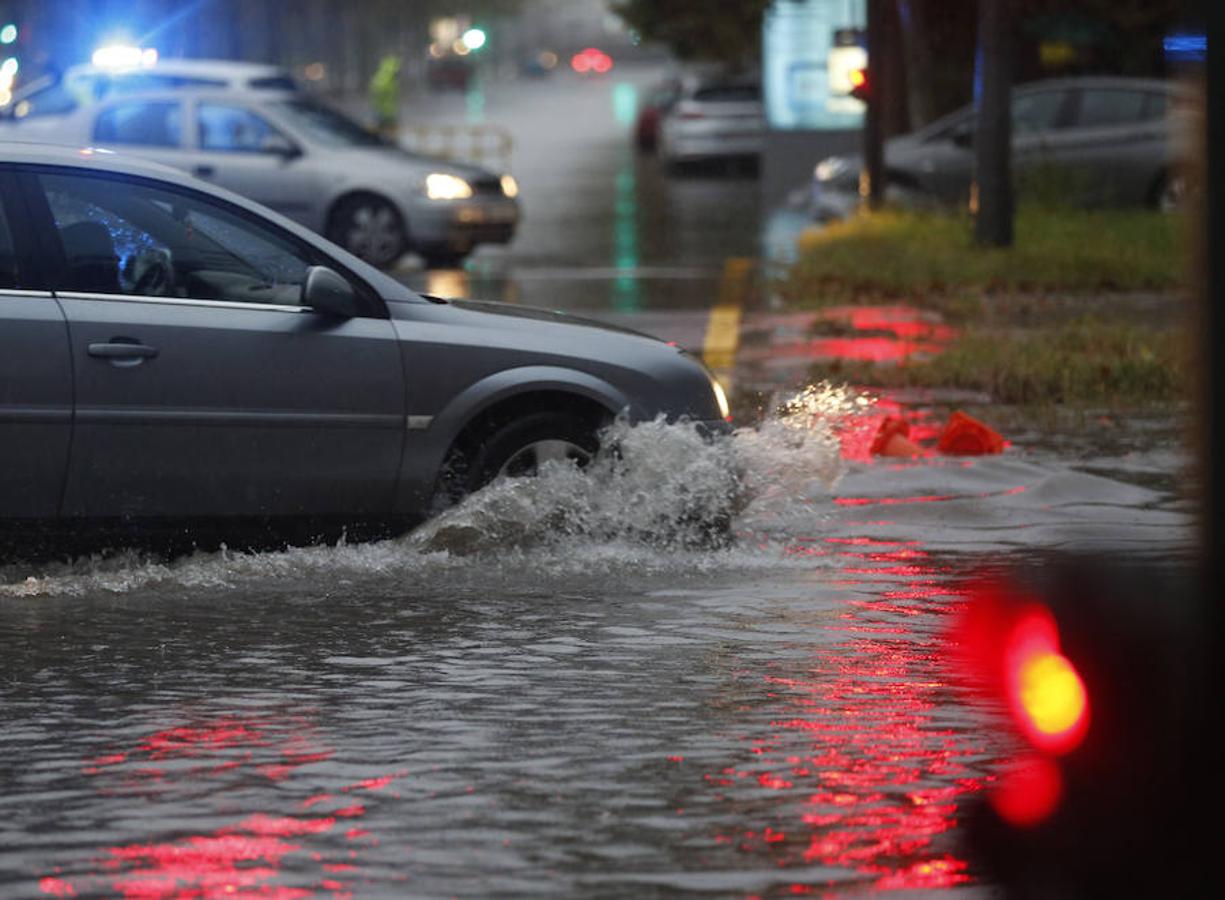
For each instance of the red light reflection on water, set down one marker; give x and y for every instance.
(873, 778)
(240, 859)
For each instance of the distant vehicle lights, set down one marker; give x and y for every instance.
(8, 34)
(591, 60)
(474, 39)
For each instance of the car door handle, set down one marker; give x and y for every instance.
(122, 350)
(205, 171)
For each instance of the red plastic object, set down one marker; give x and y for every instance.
(893, 439)
(966, 436)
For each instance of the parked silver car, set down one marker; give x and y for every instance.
(1094, 141)
(172, 353)
(713, 119)
(287, 151)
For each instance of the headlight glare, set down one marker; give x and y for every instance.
(510, 187)
(725, 409)
(441, 186)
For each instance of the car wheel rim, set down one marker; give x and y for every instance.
(1173, 192)
(530, 459)
(374, 233)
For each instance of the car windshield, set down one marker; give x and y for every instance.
(325, 125)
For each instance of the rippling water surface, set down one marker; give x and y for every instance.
(556, 689)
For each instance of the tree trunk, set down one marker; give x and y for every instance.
(916, 51)
(993, 225)
(873, 124)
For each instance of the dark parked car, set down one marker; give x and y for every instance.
(171, 353)
(1094, 140)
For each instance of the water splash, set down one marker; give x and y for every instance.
(664, 488)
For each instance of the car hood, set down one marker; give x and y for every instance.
(463, 342)
(375, 160)
(539, 314)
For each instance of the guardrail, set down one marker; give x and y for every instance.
(485, 144)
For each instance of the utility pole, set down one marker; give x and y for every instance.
(993, 223)
(872, 178)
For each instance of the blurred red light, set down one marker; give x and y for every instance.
(591, 59)
(1028, 792)
(858, 78)
(1045, 692)
(1011, 644)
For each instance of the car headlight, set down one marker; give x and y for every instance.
(831, 168)
(440, 186)
(725, 409)
(510, 187)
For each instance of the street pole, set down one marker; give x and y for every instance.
(993, 223)
(872, 178)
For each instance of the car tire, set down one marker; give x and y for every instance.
(1169, 194)
(370, 228)
(517, 449)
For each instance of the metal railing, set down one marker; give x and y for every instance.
(489, 145)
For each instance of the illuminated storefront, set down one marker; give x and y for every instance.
(809, 50)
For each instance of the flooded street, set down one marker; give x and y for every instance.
(554, 689)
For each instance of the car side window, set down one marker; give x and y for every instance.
(1037, 112)
(129, 237)
(8, 255)
(233, 129)
(1104, 108)
(143, 123)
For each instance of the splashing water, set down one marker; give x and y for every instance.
(664, 489)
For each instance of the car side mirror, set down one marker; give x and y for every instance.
(279, 145)
(328, 293)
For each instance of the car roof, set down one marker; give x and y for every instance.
(221, 69)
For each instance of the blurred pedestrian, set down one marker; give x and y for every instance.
(385, 95)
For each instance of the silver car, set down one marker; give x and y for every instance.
(713, 119)
(177, 358)
(1093, 141)
(287, 151)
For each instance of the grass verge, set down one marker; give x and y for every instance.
(924, 256)
(1087, 362)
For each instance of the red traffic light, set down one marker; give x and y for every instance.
(860, 85)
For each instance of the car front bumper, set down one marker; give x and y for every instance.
(460, 225)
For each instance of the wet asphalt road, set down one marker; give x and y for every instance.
(605, 232)
(546, 692)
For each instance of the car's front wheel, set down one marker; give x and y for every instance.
(525, 446)
(1170, 193)
(370, 228)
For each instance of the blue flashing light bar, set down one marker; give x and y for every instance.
(1187, 47)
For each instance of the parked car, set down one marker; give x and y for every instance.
(51, 97)
(1095, 140)
(176, 357)
(289, 152)
(713, 119)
